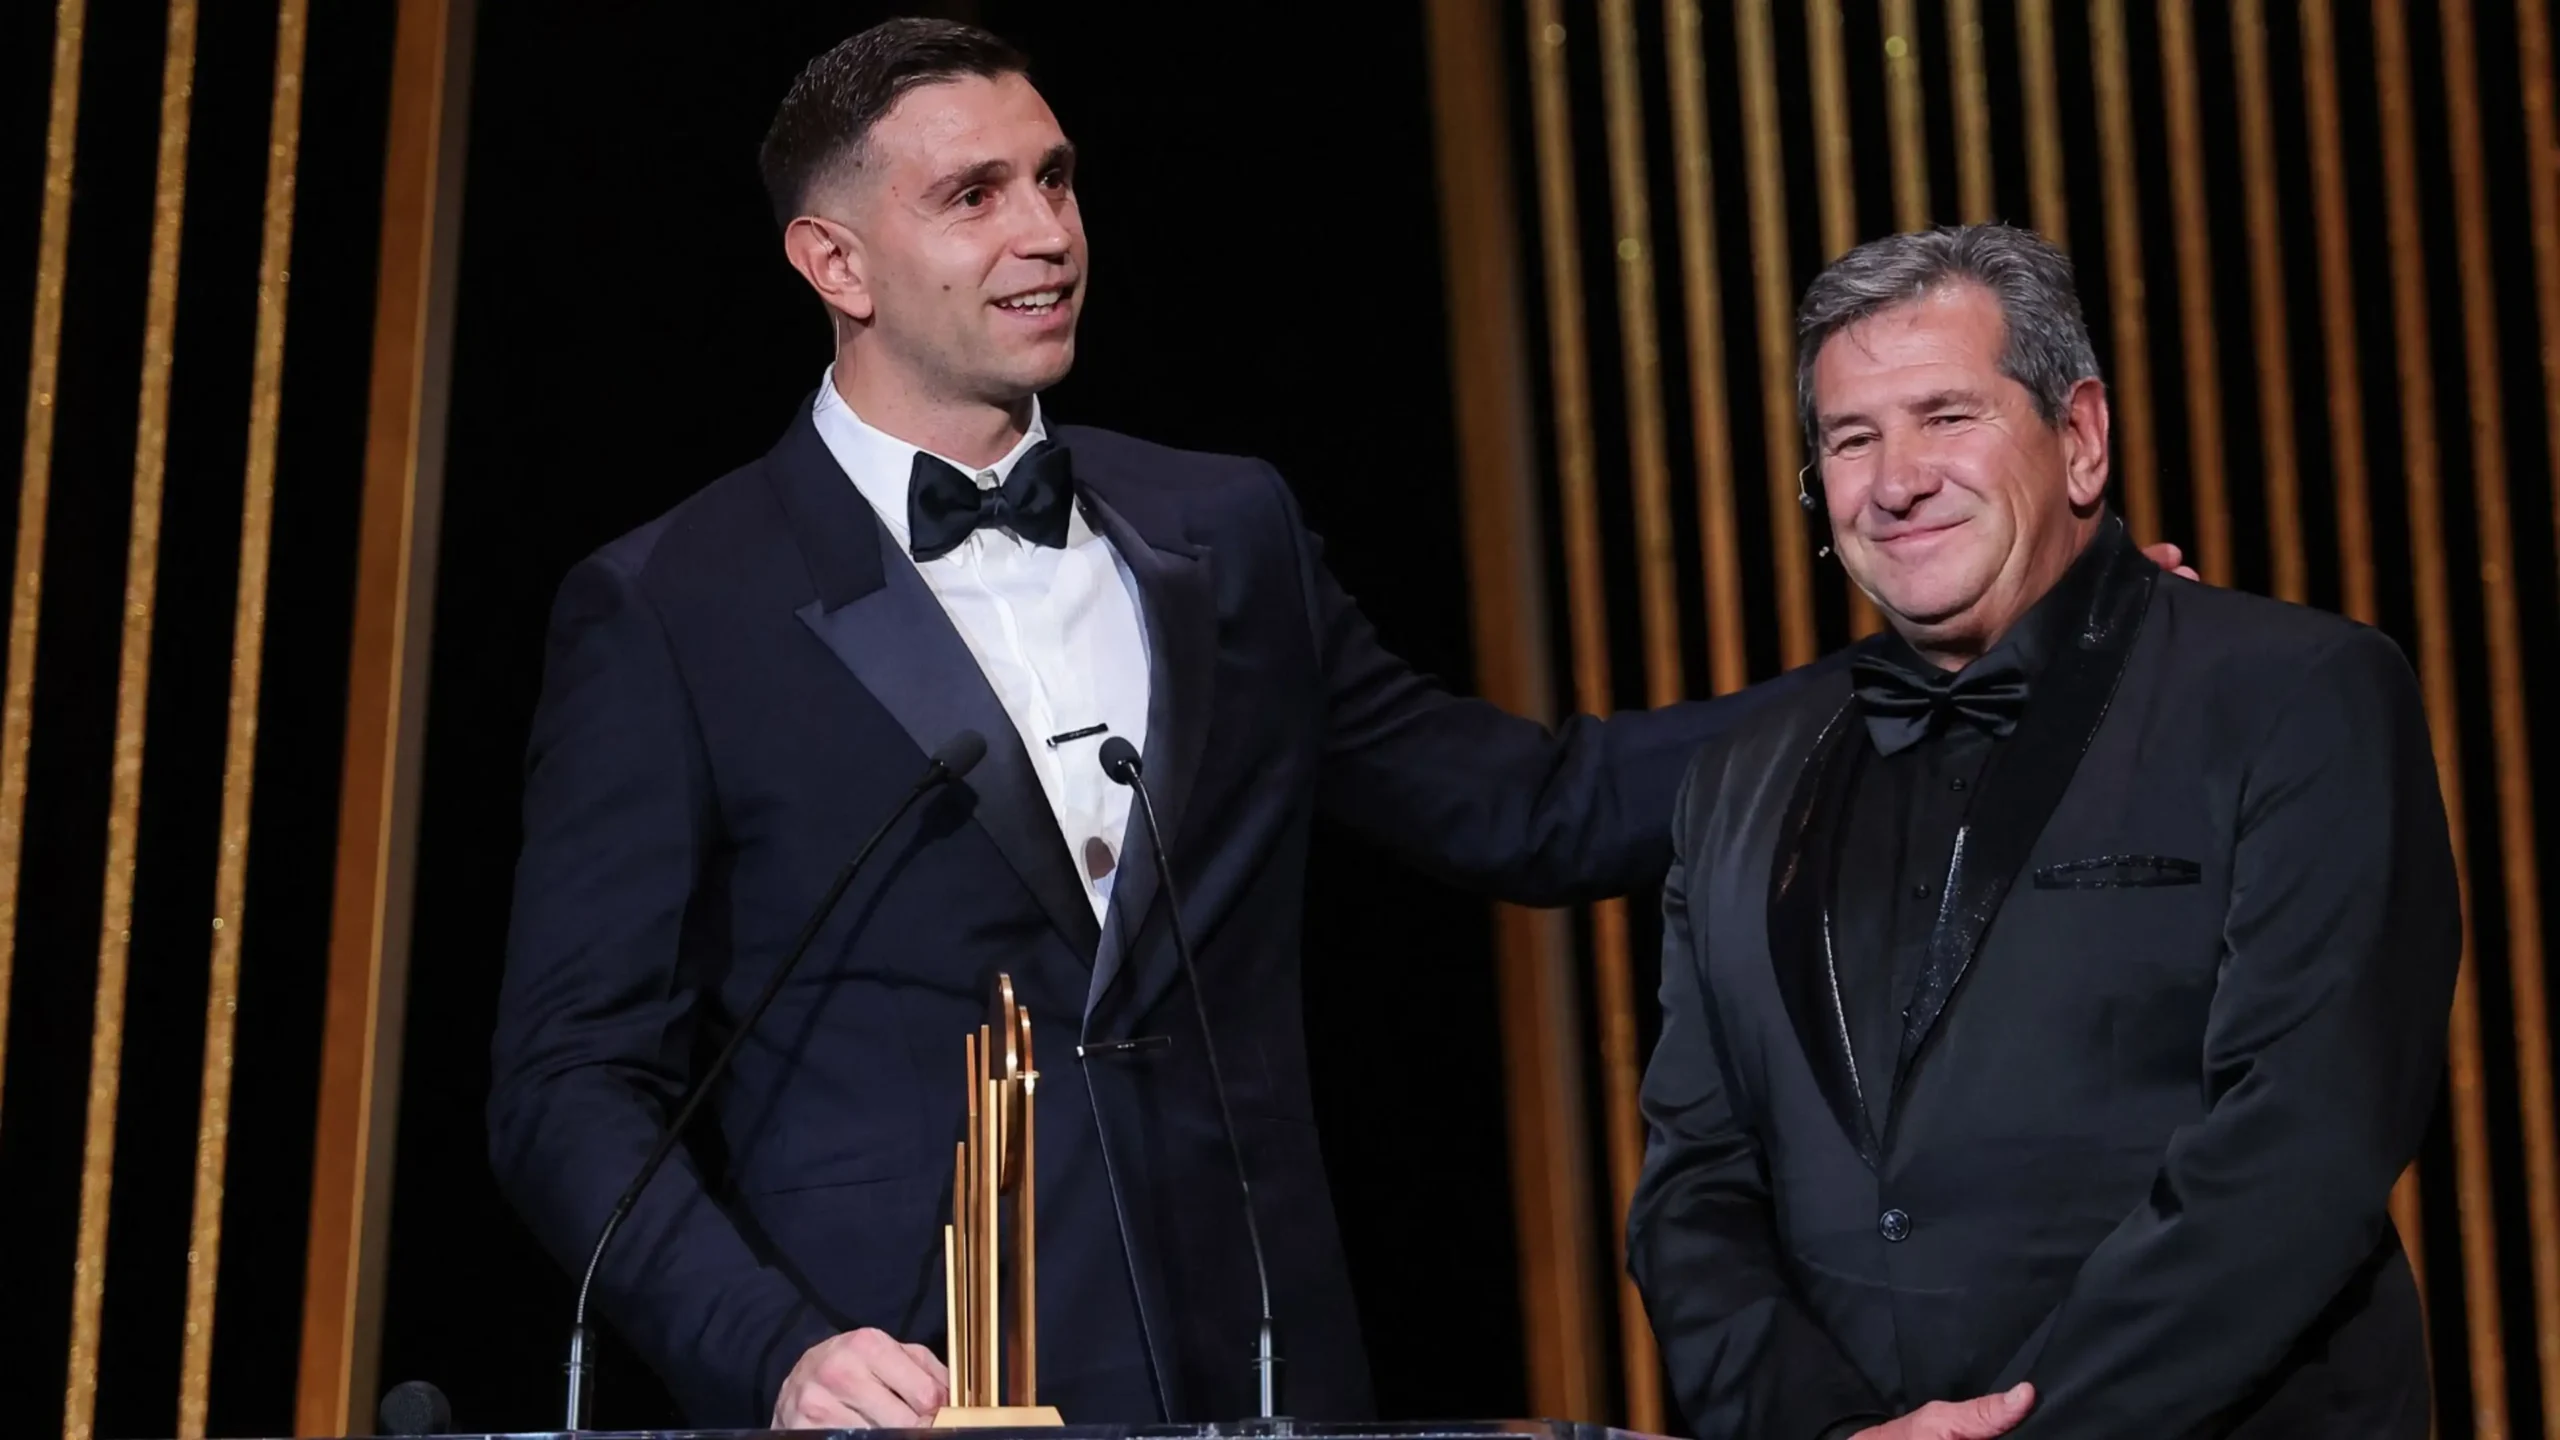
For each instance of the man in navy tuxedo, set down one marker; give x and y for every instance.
(737, 692)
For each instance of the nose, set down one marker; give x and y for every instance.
(1044, 232)
(1903, 478)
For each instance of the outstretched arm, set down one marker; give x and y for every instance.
(1464, 790)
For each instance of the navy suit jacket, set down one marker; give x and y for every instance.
(737, 692)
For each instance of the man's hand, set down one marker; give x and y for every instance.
(2167, 556)
(865, 1381)
(1977, 1419)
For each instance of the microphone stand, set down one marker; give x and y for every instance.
(956, 757)
(1120, 761)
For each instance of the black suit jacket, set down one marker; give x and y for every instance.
(736, 693)
(2180, 1026)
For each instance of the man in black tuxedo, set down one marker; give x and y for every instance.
(2051, 996)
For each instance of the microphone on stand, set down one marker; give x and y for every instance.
(956, 758)
(1120, 761)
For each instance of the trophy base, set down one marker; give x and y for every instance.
(983, 1417)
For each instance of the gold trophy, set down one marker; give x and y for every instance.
(993, 1165)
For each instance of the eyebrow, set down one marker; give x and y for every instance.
(984, 172)
(988, 172)
(1939, 400)
(1825, 426)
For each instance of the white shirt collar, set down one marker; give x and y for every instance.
(879, 463)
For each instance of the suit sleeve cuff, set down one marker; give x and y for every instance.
(1844, 1428)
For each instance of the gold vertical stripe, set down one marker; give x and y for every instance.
(1631, 216)
(133, 688)
(2435, 656)
(1910, 124)
(1499, 469)
(1586, 606)
(2267, 308)
(1622, 96)
(1551, 120)
(1908, 136)
(1543, 1072)
(1702, 286)
(2542, 168)
(1773, 288)
(1972, 74)
(35, 478)
(2509, 736)
(2195, 290)
(2344, 380)
(2042, 91)
(353, 1136)
(1835, 176)
(2141, 470)
(240, 745)
(1834, 156)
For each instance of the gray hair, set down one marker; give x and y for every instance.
(2048, 348)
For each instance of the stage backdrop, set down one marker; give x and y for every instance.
(351, 327)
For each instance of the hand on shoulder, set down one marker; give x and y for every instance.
(2169, 557)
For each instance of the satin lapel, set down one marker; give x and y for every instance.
(1800, 899)
(1177, 606)
(2027, 777)
(882, 621)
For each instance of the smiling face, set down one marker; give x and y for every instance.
(955, 250)
(1953, 504)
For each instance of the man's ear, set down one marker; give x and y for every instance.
(2085, 424)
(830, 257)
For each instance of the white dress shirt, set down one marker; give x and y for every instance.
(1056, 632)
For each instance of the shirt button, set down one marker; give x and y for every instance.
(1098, 859)
(1894, 1226)
(1956, 784)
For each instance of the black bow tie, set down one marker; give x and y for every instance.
(1902, 704)
(944, 503)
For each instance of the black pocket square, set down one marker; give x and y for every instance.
(2110, 872)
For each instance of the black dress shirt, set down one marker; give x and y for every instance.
(1899, 835)
(1897, 839)
(1900, 831)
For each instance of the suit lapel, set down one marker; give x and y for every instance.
(880, 619)
(1178, 608)
(2027, 777)
(1800, 929)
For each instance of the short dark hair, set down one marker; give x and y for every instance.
(824, 120)
(2047, 350)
